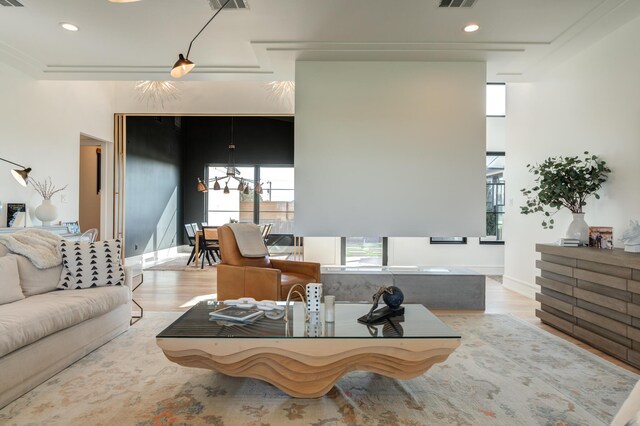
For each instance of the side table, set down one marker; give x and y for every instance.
(138, 279)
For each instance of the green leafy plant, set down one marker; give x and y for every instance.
(564, 182)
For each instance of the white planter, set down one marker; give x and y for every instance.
(579, 229)
(46, 212)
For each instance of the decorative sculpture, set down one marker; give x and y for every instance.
(631, 237)
(392, 297)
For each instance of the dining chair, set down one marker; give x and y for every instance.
(210, 244)
(191, 236)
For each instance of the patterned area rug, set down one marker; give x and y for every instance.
(506, 372)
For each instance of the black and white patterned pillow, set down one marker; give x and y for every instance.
(88, 265)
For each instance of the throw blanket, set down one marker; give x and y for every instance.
(249, 239)
(37, 245)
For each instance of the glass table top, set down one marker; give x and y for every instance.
(417, 322)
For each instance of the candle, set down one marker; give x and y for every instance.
(329, 308)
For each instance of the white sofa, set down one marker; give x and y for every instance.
(50, 329)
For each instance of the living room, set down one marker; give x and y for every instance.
(363, 146)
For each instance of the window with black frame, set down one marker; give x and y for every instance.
(495, 198)
(364, 251)
(272, 209)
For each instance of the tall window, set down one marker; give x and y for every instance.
(234, 206)
(277, 199)
(274, 206)
(495, 199)
(496, 100)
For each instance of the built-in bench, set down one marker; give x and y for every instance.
(436, 288)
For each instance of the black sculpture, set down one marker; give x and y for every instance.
(392, 297)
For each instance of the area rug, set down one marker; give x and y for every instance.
(506, 372)
(179, 263)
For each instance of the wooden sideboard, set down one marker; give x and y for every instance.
(593, 295)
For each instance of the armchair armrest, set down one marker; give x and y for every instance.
(248, 281)
(311, 269)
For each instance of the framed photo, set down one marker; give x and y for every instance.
(601, 237)
(13, 210)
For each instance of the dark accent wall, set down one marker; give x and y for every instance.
(260, 141)
(165, 161)
(153, 209)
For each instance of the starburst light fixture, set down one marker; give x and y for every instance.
(282, 91)
(156, 92)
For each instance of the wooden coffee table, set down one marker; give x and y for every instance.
(305, 360)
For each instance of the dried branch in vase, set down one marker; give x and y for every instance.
(46, 188)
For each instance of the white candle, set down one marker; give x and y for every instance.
(329, 308)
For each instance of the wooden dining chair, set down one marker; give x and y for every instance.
(191, 236)
(210, 244)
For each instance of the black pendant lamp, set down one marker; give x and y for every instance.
(183, 65)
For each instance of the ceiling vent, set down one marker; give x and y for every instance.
(457, 3)
(233, 4)
(11, 3)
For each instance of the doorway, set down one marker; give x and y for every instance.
(92, 177)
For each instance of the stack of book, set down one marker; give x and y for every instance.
(569, 242)
(235, 314)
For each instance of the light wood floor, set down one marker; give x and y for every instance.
(176, 291)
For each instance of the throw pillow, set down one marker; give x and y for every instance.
(10, 290)
(88, 265)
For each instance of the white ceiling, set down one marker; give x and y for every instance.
(519, 39)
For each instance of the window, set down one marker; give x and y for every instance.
(277, 199)
(274, 206)
(496, 100)
(234, 206)
(448, 240)
(495, 199)
(364, 251)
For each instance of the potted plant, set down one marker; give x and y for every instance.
(565, 182)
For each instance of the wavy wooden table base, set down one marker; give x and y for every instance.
(309, 368)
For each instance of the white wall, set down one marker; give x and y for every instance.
(41, 122)
(390, 148)
(592, 103)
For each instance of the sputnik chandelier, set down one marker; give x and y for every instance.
(244, 184)
(156, 92)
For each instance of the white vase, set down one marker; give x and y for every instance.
(579, 229)
(46, 212)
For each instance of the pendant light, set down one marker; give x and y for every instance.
(183, 65)
(202, 187)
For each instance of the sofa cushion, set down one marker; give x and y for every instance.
(10, 290)
(3, 250)
(289, 279)
(37, 281)
(87, 265)
(28, 320)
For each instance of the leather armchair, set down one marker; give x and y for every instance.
(262, 278)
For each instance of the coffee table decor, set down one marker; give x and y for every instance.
(393, 298)
(305, 358)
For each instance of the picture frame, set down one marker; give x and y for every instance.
(12, 212)
(601, 237)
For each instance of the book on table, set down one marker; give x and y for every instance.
(233, 313)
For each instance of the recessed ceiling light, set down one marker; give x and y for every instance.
(69, 27)
(471, 28)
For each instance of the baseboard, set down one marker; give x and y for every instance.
(150, 259)
(522, 287)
